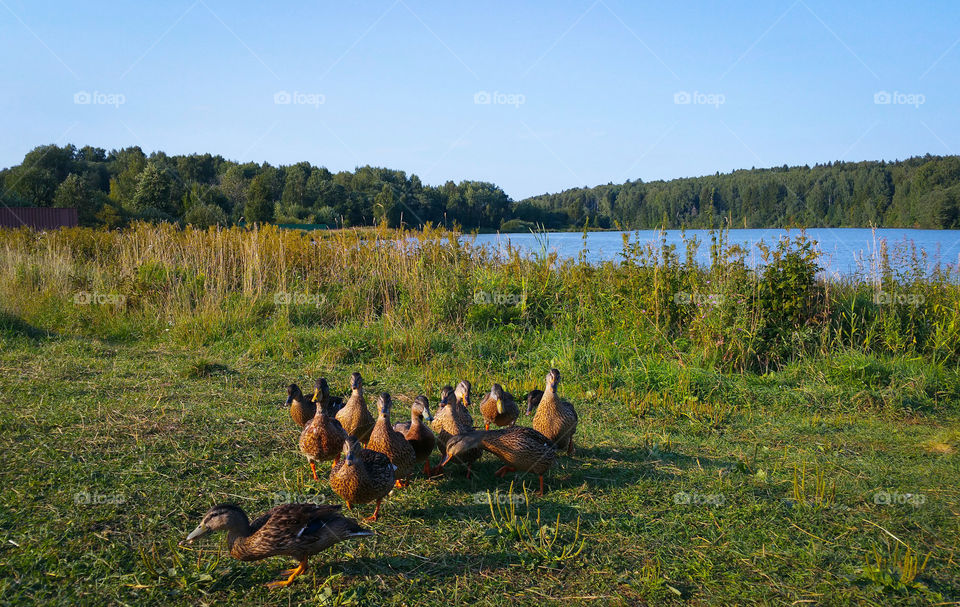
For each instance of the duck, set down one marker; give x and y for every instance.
(452, 420)
(354, 416)
(322, 438)
(391, 443)
(555, 418)
(533, 399)
(519, 447)
(499, 408)
(321, 394)
(362, 476)
(302, 409)
(419, 434)
(294, 530)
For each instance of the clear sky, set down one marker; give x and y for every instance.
(533, 96)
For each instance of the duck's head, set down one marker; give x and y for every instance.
(356, 382)
(421, 408)
(293, 392)
(461, 443)
(463, 392)
(553, 379)
(221, 516)
(533, 399)
(351, 449)
(496, 392)
(384, 404)
(447, 396)
(321, 389)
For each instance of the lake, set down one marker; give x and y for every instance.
(845, 251)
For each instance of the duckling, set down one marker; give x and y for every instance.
(321, 394)
(533, 399)
(451, 420)
(555, 418)
(296, 530)
(417, 433)
(499, 407)
(391, 443)
(302, 409)
(519, 447)
(354, 416)
(322, 438)
(362, 476)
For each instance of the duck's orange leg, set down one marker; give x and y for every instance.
(570, 447)
(376, 512)
(486, 426)
(426, 468)
(290, 572)
(313, 467)
(541, 486)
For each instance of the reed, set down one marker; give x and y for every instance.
(162, 282)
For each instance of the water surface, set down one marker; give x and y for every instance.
(844, 251)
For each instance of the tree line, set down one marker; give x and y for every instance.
(115, 187)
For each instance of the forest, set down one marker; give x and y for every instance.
(113, 188)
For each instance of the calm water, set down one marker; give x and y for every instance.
(845, 251)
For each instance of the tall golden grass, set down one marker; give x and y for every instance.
(149, 280)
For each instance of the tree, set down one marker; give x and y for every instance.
(205, 215)
(74, 193)
(260, 204)
(153, 192)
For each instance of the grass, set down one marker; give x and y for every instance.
(826, 474)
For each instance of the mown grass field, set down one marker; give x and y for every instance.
(694, 480)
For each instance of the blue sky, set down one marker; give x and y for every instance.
(535, 96)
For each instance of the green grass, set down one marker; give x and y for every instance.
(677, 500)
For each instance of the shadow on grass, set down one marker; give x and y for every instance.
(16, 326)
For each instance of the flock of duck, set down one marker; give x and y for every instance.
(371, 457)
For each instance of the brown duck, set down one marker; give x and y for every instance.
(499, 408)
(362, 476)
(417, 433)
(451, 420)
(302, 409)
(391, 443)
(519, 447)
(322, 438)
(355, 417)
(295, 530)
(556, 419)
